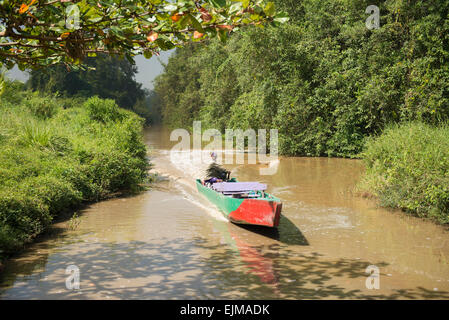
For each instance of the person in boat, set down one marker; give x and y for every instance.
(215, 174)
(213, 155)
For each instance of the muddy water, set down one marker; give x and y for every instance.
(170, 243)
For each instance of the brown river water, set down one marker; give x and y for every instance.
(170, 243)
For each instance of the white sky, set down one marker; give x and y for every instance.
(147, 70)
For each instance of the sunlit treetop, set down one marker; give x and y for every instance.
(37, 33)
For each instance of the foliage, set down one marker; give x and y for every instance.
(107, 77)
(74, 221)
(181, 72)
(40, 33)
(148, 107)
(53, 161)
(408, 168)
(102, 110)
(323, 80)
(153, 101)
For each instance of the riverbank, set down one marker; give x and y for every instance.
(408, 168)
(57, 154)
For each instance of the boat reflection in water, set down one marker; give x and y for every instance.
(257, 263)
(255, 249)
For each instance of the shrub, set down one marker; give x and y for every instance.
(104, 110)
(52, 161)
(12, 92)
(408, 168)
(22, 217)
(43, 107)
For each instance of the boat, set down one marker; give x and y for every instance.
(243, 202)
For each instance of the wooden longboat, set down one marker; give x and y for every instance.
(243, 202)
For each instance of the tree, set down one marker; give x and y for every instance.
(324, 80)
(107, 77)
(45, 32)
(149, 107)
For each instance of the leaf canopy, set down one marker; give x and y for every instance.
(37, 33)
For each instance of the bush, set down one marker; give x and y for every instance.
(42, 107)
(22, 218)
(408, 168)
(54, 158)
(12, 92)
(104, 110)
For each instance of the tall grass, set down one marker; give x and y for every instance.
(408, 168)
(54, 157)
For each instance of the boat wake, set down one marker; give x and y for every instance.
(181, 171)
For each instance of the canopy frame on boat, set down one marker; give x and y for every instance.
(238, 187)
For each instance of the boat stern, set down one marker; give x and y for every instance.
(257, 212)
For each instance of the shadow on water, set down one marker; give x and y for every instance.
(173, 269)
(39, 252)
(287, 232)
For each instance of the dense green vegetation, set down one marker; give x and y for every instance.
(56, 154)
(328, 84)
(323, 79)
(105, 76)
(408, 168)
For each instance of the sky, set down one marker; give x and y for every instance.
(147, 70)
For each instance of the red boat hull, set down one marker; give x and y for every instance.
(256, 212)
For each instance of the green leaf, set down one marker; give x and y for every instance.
(170, 7)
(223, 35)
(2, 83)
(95, 19)
(212, 32)
(147, 54)
(184, 21)
(195, 23)
(235, 7)
(218, 3)
(164, 44)
(270, 9)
